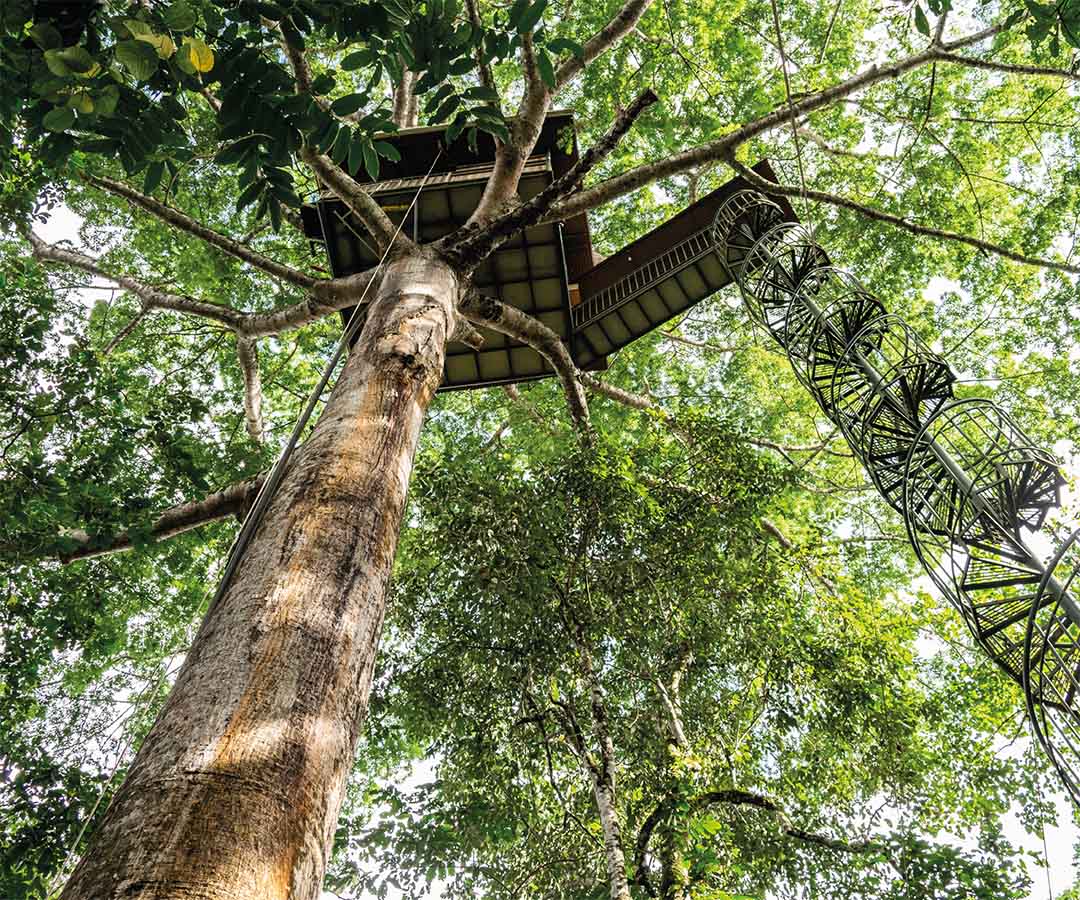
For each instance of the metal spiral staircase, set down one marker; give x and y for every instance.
(975, 493)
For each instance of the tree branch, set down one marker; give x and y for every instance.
(1008, 68)
(772, 187)
(719, 149)
(248, 355)
(522, 327)
(702, 345)
(124, 332)
(473, 248)
(486, 78)
(299, 64)
(343, 186)
(232, 501)
(678, 735)
(525, 127)
(150, 297)
(814, 138)
(404, 114)
(621, 24)
(325, 297)
(353, 195)
(735, 797)
(602, 775)
(183, 222)
(627, 398)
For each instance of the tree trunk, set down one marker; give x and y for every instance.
(236, 790)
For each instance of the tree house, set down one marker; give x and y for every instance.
(597, 306)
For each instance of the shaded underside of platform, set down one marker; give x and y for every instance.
(547, 271)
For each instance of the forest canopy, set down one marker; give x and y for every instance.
(651, 631)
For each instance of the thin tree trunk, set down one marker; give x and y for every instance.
(236, 790)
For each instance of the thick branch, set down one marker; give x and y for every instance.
(474, 248)
(721, 148)
(211, 100)
(299, 64)
(248, 355)
(404, 114)
(525, 127)
(329, 173)
(353, 195)
(232, 501)
(326, 296)
(621, 24)
(180, 220)
(678, 735)
(125, 332)
(603, 775)
(771, 187)
(1008, 68)
(150, 297)
(737, 797)
(702, 345)
(627, 398)
(486, 78)
(514, 323)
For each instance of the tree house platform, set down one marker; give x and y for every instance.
(549, 271)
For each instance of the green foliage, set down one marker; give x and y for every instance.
(820, 677)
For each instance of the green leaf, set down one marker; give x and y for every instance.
(496, 128)
(326, 140)
(275, 214)
(213, 19)
(347, 105)
(79, 61)
(517, 10)
(432, 103)
(101, 145)
(55, 61)
(174, 108)
(356, 60)
(455, 128)
(107, 99)
(547, 70)
(482, 93)
(448, 106)
(323, 84)
(340, 150)
(46, 37)
(16, 13)
(59, 119)
(565, 45)
(286, 195)
(371, 161)
(531, 16)
(921, 21)
(356, 153)
(249, 195)
(153, 177)
(179, 16)
(138, 57)
(387, 150)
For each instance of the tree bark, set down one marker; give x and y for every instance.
(236, 790)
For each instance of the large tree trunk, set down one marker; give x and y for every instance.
(236, 790)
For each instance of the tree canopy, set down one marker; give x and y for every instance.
(705, 615)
